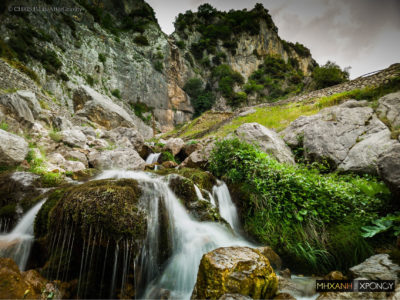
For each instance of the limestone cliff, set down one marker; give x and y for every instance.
(119, 50)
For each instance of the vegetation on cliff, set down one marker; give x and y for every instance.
(313, 220)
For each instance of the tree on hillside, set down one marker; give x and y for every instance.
(330, 74)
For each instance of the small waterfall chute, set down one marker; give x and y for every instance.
(152, 158)
(227, 208)
(17, 244)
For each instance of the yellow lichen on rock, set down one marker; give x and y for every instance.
(235, 270)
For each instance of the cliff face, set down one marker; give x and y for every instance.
(119, 49)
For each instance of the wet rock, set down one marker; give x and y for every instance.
(174, 145)
(285, 273)
(335, 275)
(235, 270)
(17, 285)
(73, 137)
(190, 147)
(268, 141)
(169, 164)
(389, 108)
(125, 158)
(389, 169)
(200, 209)
(377, 267)
(273, 258)
(284, 296)
(13, 149)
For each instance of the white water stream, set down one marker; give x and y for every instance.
(17, 244)
(152, 158)
(190, 238)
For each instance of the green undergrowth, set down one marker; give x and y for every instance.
(278, 117)
(37, 166)
(313, 220)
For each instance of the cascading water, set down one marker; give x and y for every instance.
(190, 239)
(227, 209)
(17, 244)
(152, 158)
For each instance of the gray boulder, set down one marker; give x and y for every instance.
(389, 108)
(268, 141)
(377, 267)
(125, 137)
(331, 134)
(73, 137)
(13, 149)
(389, 169)
(102, 110)
(174, 145)
(23, 104)
(363, 157)
(120, 158)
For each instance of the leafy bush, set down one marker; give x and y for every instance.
(329, 74)
(141, 40)
(201, 99)
(227, 78)
(180, 44)
(4, 126)
(102, 58)
(158, 65)
(116, 93)
(294, 209)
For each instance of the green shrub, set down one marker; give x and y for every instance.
(141, 40)
(4, 126)
(329, 74)
(116, 93)
(89, 80)
(158, 65)
(295, 209)
(180, 44)
(201, 99)
(55, 136)
(102, 58)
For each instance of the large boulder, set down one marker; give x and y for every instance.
(102, 110)
(330, 135)
(267, 140)
(13, 149)
(23, 104)
(105, 216)
(73, 137)
(174, 145)
(363, 157)
(199, 158)
(389, 169)
(120, 158)
(125, 137)
(389, 108)
(235, 270)
(377, 267)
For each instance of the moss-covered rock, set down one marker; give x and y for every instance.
(200, 209)
(99, 219)
(235, 270)
(203, 179)
(107, 205)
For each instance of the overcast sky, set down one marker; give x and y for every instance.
(363, 34)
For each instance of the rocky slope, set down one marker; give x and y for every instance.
(120, 51)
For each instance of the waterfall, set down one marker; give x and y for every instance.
(17, 244)
(227, 209)
(190, 239)
(152, 158)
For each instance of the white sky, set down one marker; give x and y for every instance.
(363, 34)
